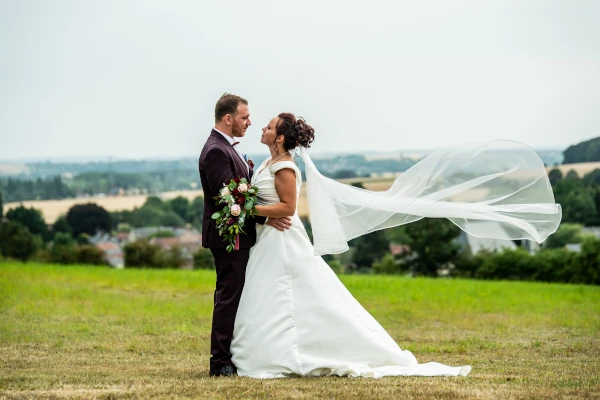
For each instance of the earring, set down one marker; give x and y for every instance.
(276, 148)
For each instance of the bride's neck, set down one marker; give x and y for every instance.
(282, 155)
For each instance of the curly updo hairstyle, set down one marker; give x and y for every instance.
(296, 132)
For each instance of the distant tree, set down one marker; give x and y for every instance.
(90, 255)
(369, 248)
(162, 234)
(146, 216)
(336, 266)
(1, 207)
(588, 151)
(555, 175)
(565, 234)
(204, 259)
(31, 219)
(64, 249)
(196, 212)
(61, 226)
(388, 265)
(579, 207)
(17, 242)
(156, 203)
(592, 178)
(432, 245)
(171, 218)
(398, 234)
(88, 218)
(173, 258)
(572, 175)
(358, 185)
(180, 205)
(344, 173)
(142, 254)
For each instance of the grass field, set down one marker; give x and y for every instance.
(91, 332)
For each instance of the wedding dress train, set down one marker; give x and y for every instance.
(296, 318)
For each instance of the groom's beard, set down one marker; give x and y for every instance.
(237, 131)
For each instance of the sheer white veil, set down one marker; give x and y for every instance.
(479, 187)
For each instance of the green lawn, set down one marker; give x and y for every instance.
(94, 332)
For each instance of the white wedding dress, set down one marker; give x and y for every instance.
(296, 318)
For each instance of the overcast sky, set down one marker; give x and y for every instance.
(139, 79)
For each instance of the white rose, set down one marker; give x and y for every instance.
(243, 187)
(235, 210)
(225, 192)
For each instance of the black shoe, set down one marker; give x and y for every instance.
(228, 370)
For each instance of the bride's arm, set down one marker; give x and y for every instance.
(285, 184)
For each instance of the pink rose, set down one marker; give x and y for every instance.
(225, 192)
(243, 187)
(235, 210)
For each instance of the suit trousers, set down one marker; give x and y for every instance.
(231, 275)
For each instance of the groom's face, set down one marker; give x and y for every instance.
(241, 121)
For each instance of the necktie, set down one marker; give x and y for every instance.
(234, 143)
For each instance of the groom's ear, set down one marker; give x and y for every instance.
(228, 119)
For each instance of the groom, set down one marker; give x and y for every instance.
(221, 161)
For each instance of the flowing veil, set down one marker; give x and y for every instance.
(497, 189)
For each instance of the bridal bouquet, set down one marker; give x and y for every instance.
(239, 198)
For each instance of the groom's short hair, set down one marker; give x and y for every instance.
(228, 104)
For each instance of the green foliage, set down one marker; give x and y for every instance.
(155, 212)
(398, 235)
(203, 259)
(1, 207)
(171, 218)
(162, 234)
(548, 265)
(61, 226)
(336, 266)
(565, 234)
(578, 201)
(588, 151)
(17, 242)
(143, 254)
(37, 189)
(388, 265)
(555, 175)
(180, 206)
(344, 173)
(432, 245)
(508, 264)
(156, 203)
(369, 248)
(592, 178)
(88, 218)
(66, 251)
(31, 219)
(358, 185)
(572, 175)
(196, 212)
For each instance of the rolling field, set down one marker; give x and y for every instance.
(52, 209)
(95, 332)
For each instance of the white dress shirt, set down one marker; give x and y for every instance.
(232, 141)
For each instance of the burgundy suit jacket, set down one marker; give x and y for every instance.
(219, 163)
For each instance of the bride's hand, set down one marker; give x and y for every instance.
(280, 224)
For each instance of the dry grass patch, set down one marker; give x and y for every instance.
(89, 332)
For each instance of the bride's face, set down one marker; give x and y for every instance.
(269, 134)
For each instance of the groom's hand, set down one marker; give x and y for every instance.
(280, 224)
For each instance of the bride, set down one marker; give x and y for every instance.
(295, 317)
